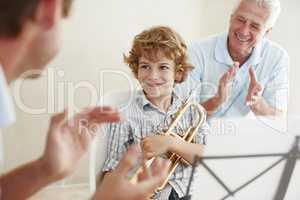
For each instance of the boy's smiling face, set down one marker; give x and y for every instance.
(156, 76)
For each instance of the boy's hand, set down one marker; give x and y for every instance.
(156, 145)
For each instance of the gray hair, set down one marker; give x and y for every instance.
(273, 6)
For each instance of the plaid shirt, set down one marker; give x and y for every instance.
(143, 120)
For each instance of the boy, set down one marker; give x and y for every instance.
(158, 60)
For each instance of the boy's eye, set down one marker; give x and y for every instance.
(164, 67)
(144, 66)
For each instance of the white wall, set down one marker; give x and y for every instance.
(97, 35)
(94, 39)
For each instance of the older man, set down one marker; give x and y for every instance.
(29, 35)
(242, 72)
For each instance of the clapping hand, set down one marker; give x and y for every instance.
(69, 139)
(255, 89)
(116, 185)
(224, 88)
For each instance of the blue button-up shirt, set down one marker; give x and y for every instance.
(211, 60)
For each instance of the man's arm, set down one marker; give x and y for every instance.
(212, 104)
(67, 142)
(26, 180)
(263, 108)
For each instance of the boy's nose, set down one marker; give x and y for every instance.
(154, 74)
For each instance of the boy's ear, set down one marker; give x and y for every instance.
(47, 13)
(179, 75)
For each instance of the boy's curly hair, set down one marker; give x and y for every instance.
(155, 40)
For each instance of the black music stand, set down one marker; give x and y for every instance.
(291, 158)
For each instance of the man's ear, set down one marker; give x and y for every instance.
(47, 13)
(231, 17)
(268, 31)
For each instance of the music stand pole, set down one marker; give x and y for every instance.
(291, 159)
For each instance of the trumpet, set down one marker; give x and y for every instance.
(188, 136)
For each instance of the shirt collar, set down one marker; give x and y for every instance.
(222, 54)
(145, 104)
(7, 114)
(141, 99)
